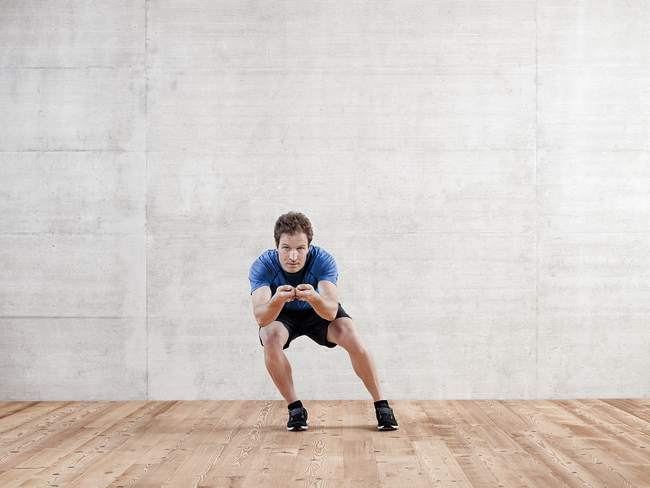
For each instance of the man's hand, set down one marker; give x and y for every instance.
(286, 293)
(306, 293)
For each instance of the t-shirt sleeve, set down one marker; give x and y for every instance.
(327, 269)
(258, 275)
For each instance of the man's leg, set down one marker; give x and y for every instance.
(274, 336)
(343, 332)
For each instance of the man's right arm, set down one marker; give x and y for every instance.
(267, 307)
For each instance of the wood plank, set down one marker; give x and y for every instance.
(416, 422)
(82, 427)
(619, 420)
(527, 466)
(276, 459)
(116, 413)
(240, 435)
(31, 432)
(164, 444)
(42, 478)
(321, 453)
(435, 458)
(29, 439)
(466, 456)
(15, 477)
(487, 442)
(572, 459)
(119, 453)
(615, 435)
(397, 464)
(171, 428)
(359, 457)
(636, 408)
(24, 420)
(89, 459)
(12, 408)
(211, 448)
(213, 429)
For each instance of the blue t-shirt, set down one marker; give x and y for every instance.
(267, 271)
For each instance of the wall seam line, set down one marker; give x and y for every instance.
(146, 191)
(537, 387)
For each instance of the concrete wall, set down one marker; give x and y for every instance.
(480, 170)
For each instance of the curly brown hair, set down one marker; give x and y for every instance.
(292, 223)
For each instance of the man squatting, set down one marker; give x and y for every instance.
(294, 293)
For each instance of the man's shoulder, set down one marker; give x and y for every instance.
(268, 260)
(321, 254)
(270, 255)
(323, 263)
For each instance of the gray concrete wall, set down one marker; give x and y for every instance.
(479, 169)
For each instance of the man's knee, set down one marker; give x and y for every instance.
(343, 332)
(274, 336)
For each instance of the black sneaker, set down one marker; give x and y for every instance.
(297, 419)
(386, 419)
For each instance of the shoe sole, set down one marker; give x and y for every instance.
(388, 428)
(298, 428)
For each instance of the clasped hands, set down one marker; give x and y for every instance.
(304, 293)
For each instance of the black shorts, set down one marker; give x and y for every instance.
(307, 323)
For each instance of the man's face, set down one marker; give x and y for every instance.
(292, 251)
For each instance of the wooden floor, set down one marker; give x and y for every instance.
(533, 443)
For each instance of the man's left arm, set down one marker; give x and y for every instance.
(324, 302)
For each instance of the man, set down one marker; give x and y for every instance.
(294, 293)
